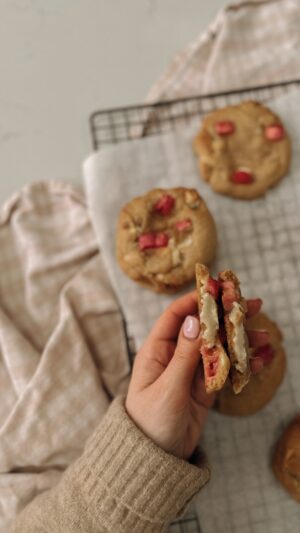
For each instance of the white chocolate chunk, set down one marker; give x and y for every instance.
(176, 257)
(132, 231)
(192, 200)
(132, 258)
(245, 169)
(209, 317)
(186, 242)
(239, 344)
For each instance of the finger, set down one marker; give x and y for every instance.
(253, 306)
(256, 365)
(258, 337)
(198, 390)
(156, 352)
(151, 361)
(168, 325)
(266, 353)
(181, 370)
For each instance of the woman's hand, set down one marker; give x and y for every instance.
(166, 397)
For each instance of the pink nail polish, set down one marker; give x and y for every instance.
(191, 327)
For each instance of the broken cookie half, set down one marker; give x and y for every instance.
(224, 342)
(215, 360)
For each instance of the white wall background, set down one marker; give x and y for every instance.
(62, 59)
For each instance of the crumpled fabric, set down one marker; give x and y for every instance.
(248, 44)
(63, 353)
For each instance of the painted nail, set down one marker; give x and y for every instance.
(191, 327)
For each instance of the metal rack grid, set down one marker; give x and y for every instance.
(128, 123)
(111, 126)
(188, 524)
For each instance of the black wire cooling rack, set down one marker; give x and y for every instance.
(111, 126)
(188, 524)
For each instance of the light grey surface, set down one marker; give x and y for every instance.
(62, 59)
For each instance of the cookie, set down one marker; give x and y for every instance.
(261, 387)
(234, 313)
(216, 363)
(286, 461)
(243, 150)
(224, 342)
(162, 235)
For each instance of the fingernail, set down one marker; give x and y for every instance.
(191, 327)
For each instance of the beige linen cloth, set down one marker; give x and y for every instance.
(249, 43)
(62, 349)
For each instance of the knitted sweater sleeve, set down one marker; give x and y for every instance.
(122, 483)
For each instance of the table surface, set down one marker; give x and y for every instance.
(63, 59)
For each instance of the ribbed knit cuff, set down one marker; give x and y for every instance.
(125, 471)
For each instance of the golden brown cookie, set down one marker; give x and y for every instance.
(162, 235)
(234, 312)
(222, 316)
(216, 363)
(244, 150)
(261, 387)
(286, 461)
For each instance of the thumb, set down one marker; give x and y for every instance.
(181, 370)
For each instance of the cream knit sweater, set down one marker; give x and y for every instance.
(122, 483)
